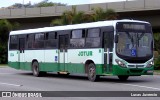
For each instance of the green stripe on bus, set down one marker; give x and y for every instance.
(79, 68)
(55, 67)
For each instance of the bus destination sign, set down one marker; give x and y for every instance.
(126, 26)
(134, 26)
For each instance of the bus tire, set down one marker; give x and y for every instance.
(35, 69)
(123, 77)
(92, 72)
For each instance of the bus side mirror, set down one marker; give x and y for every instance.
(116, 38)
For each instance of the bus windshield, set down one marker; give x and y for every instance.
(134, 44)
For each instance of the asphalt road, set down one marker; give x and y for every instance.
(18, 80)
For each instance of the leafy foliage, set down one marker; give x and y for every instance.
(5, 28)
(71, 17)
(111, 14)
(157, 41)
(76, 17)
(3, 54)
(157, 48)
(98, 14)
(56, 22)
(43, 3)
(19, 5)
(157, 63)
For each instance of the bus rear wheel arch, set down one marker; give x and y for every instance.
(36, 70)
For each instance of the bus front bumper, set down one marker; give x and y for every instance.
(117, 70)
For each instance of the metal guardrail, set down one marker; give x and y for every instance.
(124, 6)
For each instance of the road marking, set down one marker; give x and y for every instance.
(143, 86)
(11, 84)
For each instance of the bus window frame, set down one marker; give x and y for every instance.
(100, 36)
(64, 32)
(83, 32)
(17, 36)
(47, 39)
(28, 40)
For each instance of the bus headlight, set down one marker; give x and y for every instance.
(120, 63)
(150, 63)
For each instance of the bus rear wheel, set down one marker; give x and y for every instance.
(92, 73)
(35, 69)
(123, 77)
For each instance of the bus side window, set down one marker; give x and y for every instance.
(51, 40)
(39, 40)
(93, 37)
(77, 39)
(30, 40)
(108, 40)
(13, 42)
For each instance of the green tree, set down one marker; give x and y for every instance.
(157, 41)
(157, 49)
(76, 17)
(56, 22)
(5, 28)
(100, 14)
(72, 17)
(111, 14)
(45, 3)
(19, 5)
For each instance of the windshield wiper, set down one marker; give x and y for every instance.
(141, 36)
(131, 38)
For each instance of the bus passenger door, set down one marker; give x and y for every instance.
(63, 46)
(108, 50)
(21, 52)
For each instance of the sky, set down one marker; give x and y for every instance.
(6, 3)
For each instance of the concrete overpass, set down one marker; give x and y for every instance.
(147, 10)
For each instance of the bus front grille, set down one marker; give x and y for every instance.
(135, 66)
(136, 70)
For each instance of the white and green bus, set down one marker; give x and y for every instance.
(121, 48)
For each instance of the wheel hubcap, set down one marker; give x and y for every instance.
(92, 72)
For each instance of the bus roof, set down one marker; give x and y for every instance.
(74, 26)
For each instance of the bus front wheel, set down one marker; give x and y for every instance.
(92, 72)
(123, 77)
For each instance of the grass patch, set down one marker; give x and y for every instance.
(3, 65)
(157, 71)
